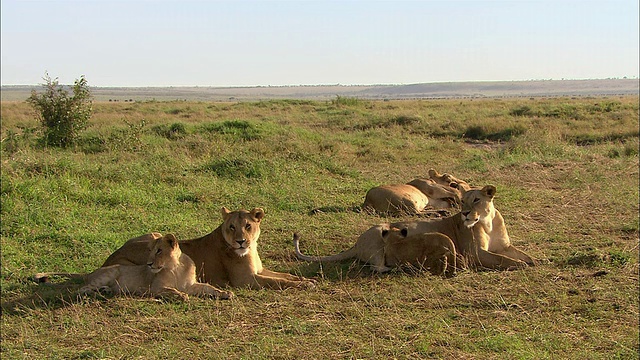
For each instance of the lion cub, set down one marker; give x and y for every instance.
(427, 251)
(168, 272)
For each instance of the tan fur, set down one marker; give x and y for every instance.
(436, 192)
(478, 232)
(226, 256)
(449, 180)
(168, 272)
(434, 252)
(369, 248)
(143, 240)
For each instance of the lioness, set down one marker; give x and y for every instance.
(168, 272)
(478, 233)
(226, 256)
(429, 251)
(369, 248)
(439, 191)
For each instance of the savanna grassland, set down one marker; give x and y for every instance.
(566, 170)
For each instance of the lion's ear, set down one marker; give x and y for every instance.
(489, 191)
(433, 173)
(153, 242)
(257, 213)
(225, 213)
(171, 240)
(404, 232)
(385, 232)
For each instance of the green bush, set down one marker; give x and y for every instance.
(172, 132)
(62, 116)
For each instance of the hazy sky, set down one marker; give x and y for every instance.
(245, 43)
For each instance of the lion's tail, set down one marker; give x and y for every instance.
(45, 277)
(347, 254)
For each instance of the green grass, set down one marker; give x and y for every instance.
(567, 178)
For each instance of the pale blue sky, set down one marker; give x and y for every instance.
(247, 43)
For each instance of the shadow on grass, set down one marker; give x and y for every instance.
(48, 296)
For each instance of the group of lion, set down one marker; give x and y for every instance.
(157, 265)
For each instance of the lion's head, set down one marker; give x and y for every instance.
(165, 253)
(477, 204)
(394, 235)
(448, 180)
(241, 229)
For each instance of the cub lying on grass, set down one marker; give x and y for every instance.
(168, 272)
(434, 252)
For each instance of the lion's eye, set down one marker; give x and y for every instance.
(158, 252)
(232, 228)
(248, 226)
(475, 201)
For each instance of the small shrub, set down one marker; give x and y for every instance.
(240, 129)
(188, 197)
(92, 144)
(587, 259)
(235, 168)
(405, 120)
(128, 139)
(480, 133)
(62, 116)
(619, 258)
(521, 111)
(10, 142)
(604, 107)
(172, 132)
(346, 101)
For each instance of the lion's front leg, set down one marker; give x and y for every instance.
(516, 253)
(276, 280)
(287, 276)
(172, 293)
(202, 289)
(498, 262)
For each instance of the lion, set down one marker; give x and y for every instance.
(369, 248)
(168, 272)
(449, 180)
(429, 251)
(478, 232)
(438, 191)
(228, 256)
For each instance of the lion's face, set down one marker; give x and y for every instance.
(477, 204)
(241, 229)
(448, 180)
(165, 253)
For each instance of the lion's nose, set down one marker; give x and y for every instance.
(465, 213)
(241, 241)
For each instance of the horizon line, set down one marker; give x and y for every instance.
(338, 84)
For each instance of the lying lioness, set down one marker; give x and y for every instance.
(478, 233)
(168, 272)
(438, 191)
(226, 256)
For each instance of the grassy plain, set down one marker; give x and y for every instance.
(567, 176)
